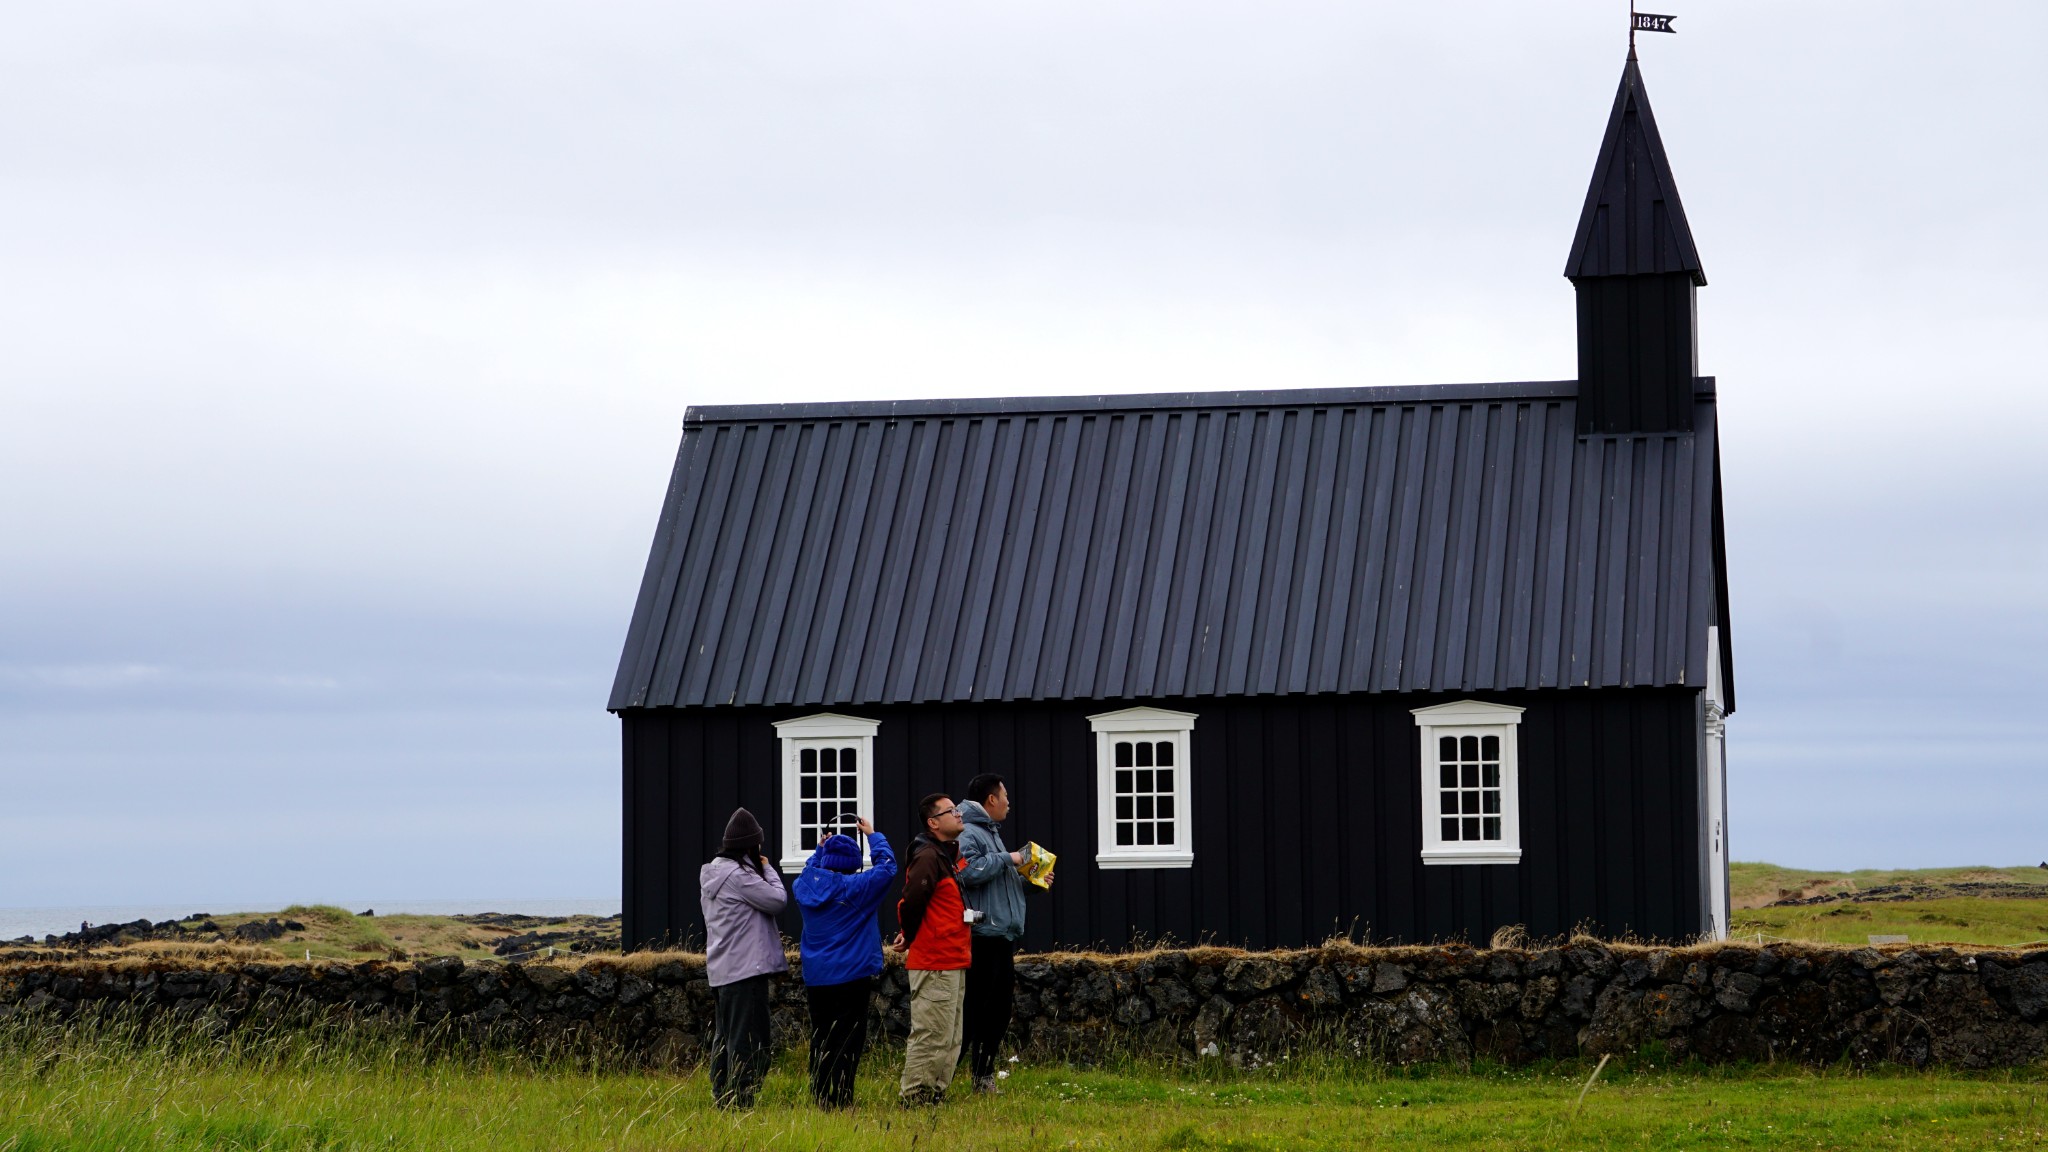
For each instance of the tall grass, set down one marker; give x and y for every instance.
(301, 1037)
(118, 1081)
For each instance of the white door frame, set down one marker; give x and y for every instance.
(1715, 825)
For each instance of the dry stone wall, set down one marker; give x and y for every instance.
(1720, 1003)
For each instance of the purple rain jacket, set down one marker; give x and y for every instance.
(741, 939)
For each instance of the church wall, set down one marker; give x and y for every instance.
(1307, 816)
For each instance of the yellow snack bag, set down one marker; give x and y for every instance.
(1038, 864)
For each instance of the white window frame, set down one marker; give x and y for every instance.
(1471, 718)
(1159, 725)
(817, 731)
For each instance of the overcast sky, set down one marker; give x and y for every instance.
(347, 348)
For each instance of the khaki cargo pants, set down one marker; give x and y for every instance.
(936, 1000)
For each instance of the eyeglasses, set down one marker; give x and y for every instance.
(944, 812)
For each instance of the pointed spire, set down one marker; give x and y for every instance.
(1632, 223)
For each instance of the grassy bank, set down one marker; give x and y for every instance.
(107, 1089)
(1755, 884)
(1956, 920)
(1998, 907)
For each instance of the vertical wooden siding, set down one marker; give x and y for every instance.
(1307, 817)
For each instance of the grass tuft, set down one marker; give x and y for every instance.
(118, 1081)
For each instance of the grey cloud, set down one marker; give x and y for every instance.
(350, 346)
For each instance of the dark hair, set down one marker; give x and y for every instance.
(929, 805)
(748, 856)
(983, 786)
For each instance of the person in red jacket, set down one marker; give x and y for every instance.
(936, 933)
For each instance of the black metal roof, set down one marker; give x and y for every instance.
(1456, 538)
(1632, 222)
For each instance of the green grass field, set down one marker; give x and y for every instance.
(1942, 914)
(1753, 884)
(1954, 920)
(333, 1088)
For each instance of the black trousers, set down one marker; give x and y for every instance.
(990, 984)
(739, 1041)
(839, 1034)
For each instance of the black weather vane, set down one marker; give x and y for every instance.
(1646, 22)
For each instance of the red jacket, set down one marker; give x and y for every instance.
(931, 911)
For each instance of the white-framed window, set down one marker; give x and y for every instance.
(1471, 802)
(828, 772)
(1143, 788)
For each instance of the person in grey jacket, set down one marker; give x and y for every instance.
(992, 884)
(740, 892)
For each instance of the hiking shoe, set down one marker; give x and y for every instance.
(986, 1086)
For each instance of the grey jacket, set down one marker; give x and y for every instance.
(990, 883)
(741, 939)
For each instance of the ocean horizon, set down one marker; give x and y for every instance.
(57, 920)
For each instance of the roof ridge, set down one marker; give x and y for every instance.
(1134, 401)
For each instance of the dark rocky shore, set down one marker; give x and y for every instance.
(530, 934)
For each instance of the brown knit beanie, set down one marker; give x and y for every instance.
(742, 834)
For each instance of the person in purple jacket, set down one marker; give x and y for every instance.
(842, 954)
(741, 893)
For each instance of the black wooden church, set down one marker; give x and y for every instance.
(1261, 666)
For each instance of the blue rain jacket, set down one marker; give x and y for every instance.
(842, 938)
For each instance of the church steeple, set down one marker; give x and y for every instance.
(1635, 269)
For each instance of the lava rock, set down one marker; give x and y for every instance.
(440, 970)
(1171, 997)
(1579, 993)
(1538, 995)
(1321, 991)
(1735, 990)
(1249, 975)
(1389, 977)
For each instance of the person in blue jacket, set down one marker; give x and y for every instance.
(842, 954)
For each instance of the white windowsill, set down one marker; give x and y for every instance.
(1146, 860)
(1489, 856)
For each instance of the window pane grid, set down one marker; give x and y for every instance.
(1142, 789)
(828, 790)
(1469, 789)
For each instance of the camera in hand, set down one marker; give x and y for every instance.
(972, 915)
